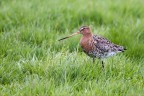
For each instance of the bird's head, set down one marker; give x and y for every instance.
(84, 30)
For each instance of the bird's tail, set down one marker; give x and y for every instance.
(122, 49)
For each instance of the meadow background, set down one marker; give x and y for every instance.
(34, 63)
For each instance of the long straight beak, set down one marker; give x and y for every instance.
(69, 36)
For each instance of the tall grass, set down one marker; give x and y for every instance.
(33, 62)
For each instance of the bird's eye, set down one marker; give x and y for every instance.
(82, 29)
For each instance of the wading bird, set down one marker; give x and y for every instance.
(96, 46)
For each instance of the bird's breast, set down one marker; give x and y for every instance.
(87, 45)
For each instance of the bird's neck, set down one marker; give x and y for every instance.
(88, 35)
(86, 38)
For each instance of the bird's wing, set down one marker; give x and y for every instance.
(105, 45)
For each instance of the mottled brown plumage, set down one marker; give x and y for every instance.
(96, 46)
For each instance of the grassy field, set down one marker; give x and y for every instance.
(34, 63)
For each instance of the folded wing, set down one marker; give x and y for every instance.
(107, 46)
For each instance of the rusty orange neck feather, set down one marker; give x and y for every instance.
(87, 35)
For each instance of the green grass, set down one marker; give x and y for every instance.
(33, 62)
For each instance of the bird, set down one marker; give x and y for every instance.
(96, 46)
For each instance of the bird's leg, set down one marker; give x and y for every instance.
(102, 64)
(93, 60)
